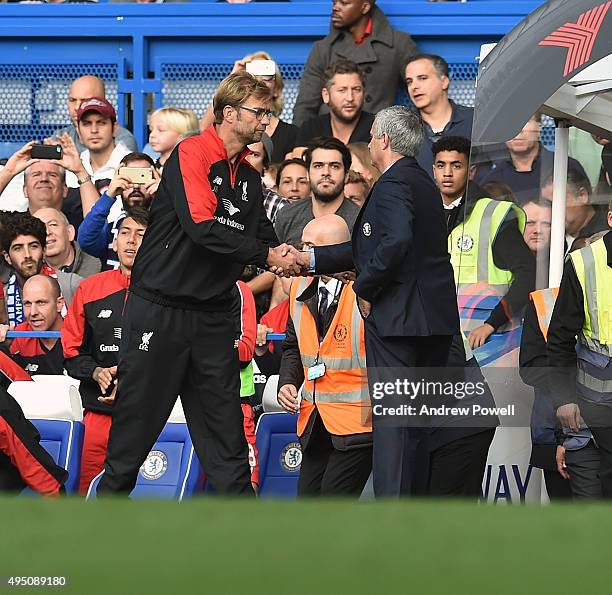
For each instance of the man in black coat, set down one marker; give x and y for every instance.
(404, 286)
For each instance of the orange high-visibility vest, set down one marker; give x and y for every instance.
(544, 302)
(341, 395)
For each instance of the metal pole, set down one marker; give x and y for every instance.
(557, 231)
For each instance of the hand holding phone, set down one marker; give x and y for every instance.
(137, 175)
(46, 152)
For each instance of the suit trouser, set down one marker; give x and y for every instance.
(326, 471)
(400, 459)
(457, 468)
(557, 487)
(599, 420)
(583, 465)
(166, 352)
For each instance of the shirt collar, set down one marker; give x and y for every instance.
(453, 205)
(331, 286)
(366, 33)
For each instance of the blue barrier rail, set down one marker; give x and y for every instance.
(58, 334)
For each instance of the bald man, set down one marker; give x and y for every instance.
(42, 308)
(84, 88)
(61, 251)
(324, 349)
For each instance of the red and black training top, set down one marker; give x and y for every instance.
(23, 461)
(92, 332)
(33, 356)
(207, 221)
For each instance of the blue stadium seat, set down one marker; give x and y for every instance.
(280, 455)
(63, 440)
(55, 409)
(171, 470)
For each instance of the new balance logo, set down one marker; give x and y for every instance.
(31, 368)
(105, 314)
(231, 209)
(144, 345)
(579, 38)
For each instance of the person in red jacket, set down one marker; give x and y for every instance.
(244, 311)
(42, 305)
(23, 461)
(91, 336)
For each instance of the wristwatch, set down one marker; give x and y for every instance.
(84, 180)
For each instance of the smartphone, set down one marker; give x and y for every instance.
(261, 67)
(46, 152)
(137, 175)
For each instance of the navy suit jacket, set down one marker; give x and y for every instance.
(400, 254)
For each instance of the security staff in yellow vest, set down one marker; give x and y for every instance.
(494, 268)
(580, 347)
(324, 349)
(494, 271)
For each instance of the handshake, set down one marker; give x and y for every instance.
(286, 261)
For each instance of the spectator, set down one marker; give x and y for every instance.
(97, 126)
(258, 280)
(42, 305)
(356, 188)
(537, 225)
(582, 217)
(282, 134)
(81, 89)
(361, 162)
(361, 33)
(23, 242)
(62, 252)
(328, 160)
(343, 93)
(427, 81)
(101, 224)
(478, 225)
(334, 417)
(527, 164)
(91, 335)
(44, 181)
(292, 180)
(168, 125)
(498, 191)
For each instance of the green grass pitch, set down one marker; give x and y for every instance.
(219, 546)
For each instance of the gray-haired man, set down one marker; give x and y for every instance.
(404, 286)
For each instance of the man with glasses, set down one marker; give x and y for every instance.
(207, 221)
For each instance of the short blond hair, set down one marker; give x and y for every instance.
(279, 83)
(235, 89)
(182, 121)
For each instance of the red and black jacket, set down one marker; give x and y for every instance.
(33, 356)
(92, 332)
(207, 221)
(23, 461)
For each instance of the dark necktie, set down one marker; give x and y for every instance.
(322, 308)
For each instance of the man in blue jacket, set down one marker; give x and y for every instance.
(404, 287)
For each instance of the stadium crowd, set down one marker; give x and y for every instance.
(70, 248)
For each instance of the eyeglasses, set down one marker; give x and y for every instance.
(260, 113)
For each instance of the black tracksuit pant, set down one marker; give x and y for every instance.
(166, 352)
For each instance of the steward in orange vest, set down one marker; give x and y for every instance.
(325, 350)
